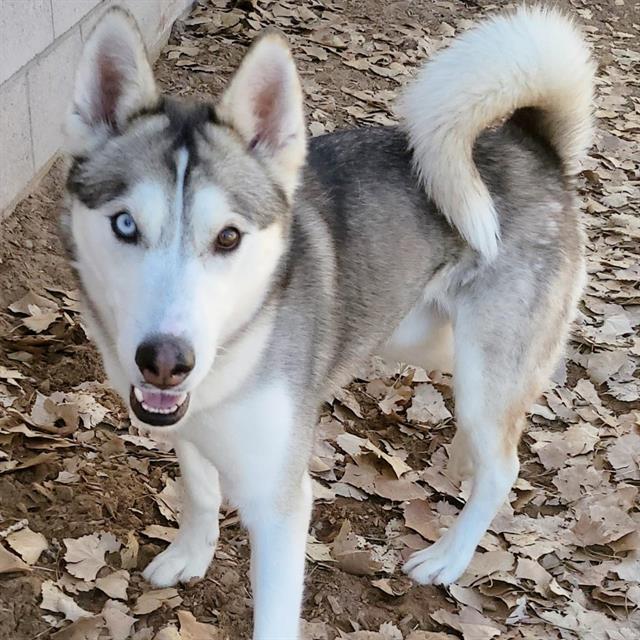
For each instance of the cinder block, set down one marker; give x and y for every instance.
(50, 92)
(25, 30)
(67, 13)
(16, 161)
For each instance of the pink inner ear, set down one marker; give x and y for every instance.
(269, 110)
(109, 90)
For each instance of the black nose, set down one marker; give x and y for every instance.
(165, 361)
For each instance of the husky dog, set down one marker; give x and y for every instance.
(236, 274)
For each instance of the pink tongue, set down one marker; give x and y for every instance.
(159, 400)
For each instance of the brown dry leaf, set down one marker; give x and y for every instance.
(10, 563)
(362, 476)
(315, 630)
(168, 633)
(129, 552)
(33, 461)
(159, 532)
(398, 490)
(532, 570)
(486, 564)
(40, 320)
(69, 408)
(85, 555)
(392, 587)
(601, 524)
(349, 552)
(624, 456)
(318, 551)
(31, 299)
(430, 635)
(115, 584)
(10, 375)
(399, 466)
(191, 629)
(81, 629)
(589, 624)
(348, 399)
(169, 499)
(41, 312)
(472, 624)
(53, 599)
(387, 631)
(118, 622)
(143, 633)
(419, 517)
(152, 600)
(29, 544)
(428, 406)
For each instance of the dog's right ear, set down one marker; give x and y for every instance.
(263, 103)
(114, 80)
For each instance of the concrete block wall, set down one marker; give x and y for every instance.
(40, 43)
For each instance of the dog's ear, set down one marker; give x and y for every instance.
(113, 81)
(264, 105)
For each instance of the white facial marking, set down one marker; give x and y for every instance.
(178, 203)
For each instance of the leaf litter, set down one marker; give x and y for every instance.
(562, 558)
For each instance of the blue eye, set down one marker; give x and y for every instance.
(124, 227)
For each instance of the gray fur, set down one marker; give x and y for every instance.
(364, 239)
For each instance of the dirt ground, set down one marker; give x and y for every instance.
(562, 560)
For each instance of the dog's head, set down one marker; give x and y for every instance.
(178, 213)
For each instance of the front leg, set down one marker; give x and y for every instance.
(278, 532)
(190, 554)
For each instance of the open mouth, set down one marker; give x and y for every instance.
(158, 408)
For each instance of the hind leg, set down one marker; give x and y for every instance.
(498, 371)
(423, 338)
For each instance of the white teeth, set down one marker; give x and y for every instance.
(179, 401)
(172, 409)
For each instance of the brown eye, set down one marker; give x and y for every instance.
(228, 239)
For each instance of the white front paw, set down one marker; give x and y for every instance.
(441, 563)
(178, 563)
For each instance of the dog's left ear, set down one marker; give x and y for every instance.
(264, 105)
(114, 80)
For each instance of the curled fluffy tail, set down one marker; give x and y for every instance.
(533, 58)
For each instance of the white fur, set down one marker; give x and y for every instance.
(264, 104)
(533, 58)
(190, 554)
(196, 294)
(424, 337)
(480, 438)
(249, 441)
(114, 55)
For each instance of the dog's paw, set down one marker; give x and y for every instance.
(441, 563)
(178, 563)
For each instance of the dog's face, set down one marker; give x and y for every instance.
(179, 213)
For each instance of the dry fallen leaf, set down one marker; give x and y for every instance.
(152, 600)
(53, 599)
(81, 629)
(191, 629)
(85, 555)
(10, 563)
(160, 532)
(28, 544)
(349, 552)
(118, 622)
(428, 406)
(115, 584)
